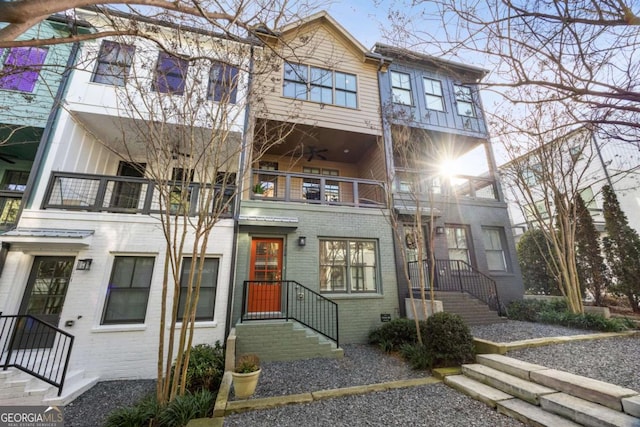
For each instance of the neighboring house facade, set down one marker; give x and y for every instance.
(433, 121)
(314, 242)
(89, 251)
(582, 163)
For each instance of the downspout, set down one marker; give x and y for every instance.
(236, 212)
(604, 165)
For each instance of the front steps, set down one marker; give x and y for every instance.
(20, 388)
(473, 311)
(539, 396)
(279, 340)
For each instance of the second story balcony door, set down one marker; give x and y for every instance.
(126, 195)
(266, 264)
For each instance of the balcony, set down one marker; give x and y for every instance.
(115, 194)
(316, 189)
(458, 187)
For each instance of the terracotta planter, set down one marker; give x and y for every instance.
(244, 385)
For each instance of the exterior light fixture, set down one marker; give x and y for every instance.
(302, 241)
(439, 230)
(84, 264)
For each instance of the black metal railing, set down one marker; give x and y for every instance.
(460, 186)
(289, 300)
(106, 193)
(316, 189)
(35, 347)
(457, 276)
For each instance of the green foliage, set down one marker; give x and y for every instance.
(417, 356)
(447, 340)
(206, 367)
(555, 312)
(138, 415)
(533, 256)
(393, 335)
(176, 414)
(247, 363)
(622, 249)
(592, 270)
(187, 407)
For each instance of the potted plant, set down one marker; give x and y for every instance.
(245, 375)
(258, 189)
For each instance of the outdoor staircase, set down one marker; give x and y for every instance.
(473, 311)
(274, 340)
(20, 388)
(538, 396)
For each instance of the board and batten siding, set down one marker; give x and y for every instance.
(325, 48)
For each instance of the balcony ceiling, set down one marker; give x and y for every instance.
(332, 144)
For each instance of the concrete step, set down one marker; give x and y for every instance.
(510, 384)
(509, 365)
(532, 415)
(631, 405)
(586, 413)
(476, 389)
(606, 394)
(70, 392)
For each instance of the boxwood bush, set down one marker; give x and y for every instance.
(392, 336)
(555, 312)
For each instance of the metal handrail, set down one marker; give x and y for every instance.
(35, 347)
(289, 300)
(460, 276)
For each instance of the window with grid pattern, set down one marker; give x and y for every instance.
(114, 63)
(401, 88)
(171, 73)
(433, 94)
(21, 68)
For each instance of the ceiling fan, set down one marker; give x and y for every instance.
(313, 152)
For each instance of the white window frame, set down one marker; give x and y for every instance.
(433, 93)
(401, 85)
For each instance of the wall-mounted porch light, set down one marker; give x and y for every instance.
(439, 230)
(302, 241)
(84, 264)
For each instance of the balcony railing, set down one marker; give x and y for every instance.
(458, 276)
(316, 189)
(9, 208)
(460, 186)
(104, 193)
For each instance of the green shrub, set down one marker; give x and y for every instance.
(447, 340)
(556, 312)
(417, 356)
(187, 407)
(206, 367)
(138, 415)
(393, 335)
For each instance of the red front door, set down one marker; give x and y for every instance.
(266, 264)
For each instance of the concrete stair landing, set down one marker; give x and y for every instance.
(20, 388)
(473, 311)
(539, 396)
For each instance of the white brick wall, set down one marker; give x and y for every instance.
(112, 351)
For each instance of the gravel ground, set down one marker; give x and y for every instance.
(612, 360)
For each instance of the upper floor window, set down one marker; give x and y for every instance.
(348, 266)
(401, 88)
(433, 94)
(223, 83)
(21, 68)
(114, 63)
(320, 85)
(588, 198)
(464, 101)
(171, 73)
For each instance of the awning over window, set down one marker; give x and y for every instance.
(268, 221)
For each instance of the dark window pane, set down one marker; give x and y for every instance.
(223, 83)
(128, 290)
(170, 74)
(208, 283)
(21, 68)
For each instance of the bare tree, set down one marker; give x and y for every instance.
(582, 53)
(180, 120)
